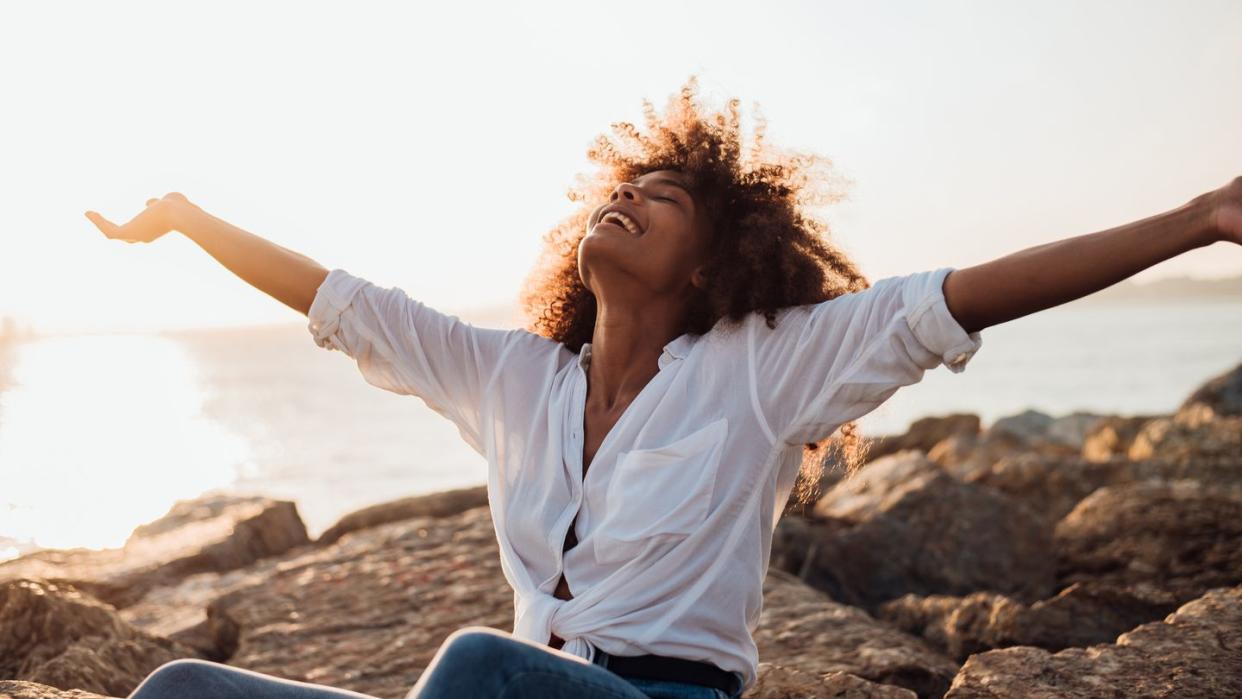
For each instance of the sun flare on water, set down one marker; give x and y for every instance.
(100, 433)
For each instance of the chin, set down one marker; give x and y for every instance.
(596, 252)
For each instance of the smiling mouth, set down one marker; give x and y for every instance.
(610, 222)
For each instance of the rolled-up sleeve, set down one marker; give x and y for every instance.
(831, 362)
(404, 346)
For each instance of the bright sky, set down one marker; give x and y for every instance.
(430, 145)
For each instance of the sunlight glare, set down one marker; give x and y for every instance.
(101, 433)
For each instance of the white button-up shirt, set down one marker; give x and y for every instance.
(674, 518)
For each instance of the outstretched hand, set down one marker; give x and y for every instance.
(1227, 212)
(160, 217)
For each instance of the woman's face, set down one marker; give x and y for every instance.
(662, 253)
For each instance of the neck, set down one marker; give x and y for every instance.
(625, 350)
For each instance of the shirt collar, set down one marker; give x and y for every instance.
(677, 349)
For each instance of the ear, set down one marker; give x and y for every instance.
(699, 277)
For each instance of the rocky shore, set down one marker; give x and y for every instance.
(1083, 556)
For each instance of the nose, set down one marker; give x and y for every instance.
(626, 190)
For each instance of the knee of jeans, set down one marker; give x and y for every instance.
(472, 645)
(179, 671)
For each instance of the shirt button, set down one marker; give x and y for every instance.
(959, 358)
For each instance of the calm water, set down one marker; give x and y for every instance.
(100, 433)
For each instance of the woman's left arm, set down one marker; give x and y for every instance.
(1048, 275)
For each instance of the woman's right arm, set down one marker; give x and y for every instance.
(399, 343)
(287, 276)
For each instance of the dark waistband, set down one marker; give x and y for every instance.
(658, 667)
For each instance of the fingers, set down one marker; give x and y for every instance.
(146, 226)
(108, 228)
(104, 225)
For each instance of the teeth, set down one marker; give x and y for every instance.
(623, 220)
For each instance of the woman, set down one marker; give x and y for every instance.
(696, 343)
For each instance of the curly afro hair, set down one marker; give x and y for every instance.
(767, 252)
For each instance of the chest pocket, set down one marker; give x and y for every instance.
(659, 493)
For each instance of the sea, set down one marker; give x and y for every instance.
(102, 432)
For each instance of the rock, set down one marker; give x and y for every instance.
(10, 689)
(179, 611)
(58, 636)
(794, 539)
(40, 620)
(778, 682)
(962, 455)
(924, 434)
(369, 611)
(957, 445)
(858, 498)
(1072, 430)
(1028, 425)
(1193, 652)
(807, 632)
(213, 533)
(112, 666)
(443, 504)
(1032, 430)
(904, 526)
(1051, 486)
(1192, 433)
(1223, 394)
(958, 454)
(1080, 615)
(1181, 535)
(1112, 436)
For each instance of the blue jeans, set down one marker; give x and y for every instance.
(514, 669)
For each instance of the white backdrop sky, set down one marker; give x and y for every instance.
(429, 146)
